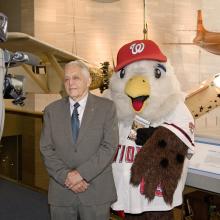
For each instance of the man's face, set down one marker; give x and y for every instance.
(76, 84)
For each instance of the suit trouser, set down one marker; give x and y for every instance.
(80, 212)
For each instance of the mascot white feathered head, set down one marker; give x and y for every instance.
(144, 82)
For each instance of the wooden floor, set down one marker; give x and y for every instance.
(178, 214)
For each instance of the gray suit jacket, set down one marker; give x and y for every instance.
(91, 155)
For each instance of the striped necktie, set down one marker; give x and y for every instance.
(75, 122)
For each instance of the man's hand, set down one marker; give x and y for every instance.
(80, 187)
(75, 182)
(73, 177)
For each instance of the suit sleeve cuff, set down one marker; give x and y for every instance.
(62, 177)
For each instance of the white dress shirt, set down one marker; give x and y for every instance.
(80, 109)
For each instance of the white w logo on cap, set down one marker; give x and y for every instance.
(137, 48)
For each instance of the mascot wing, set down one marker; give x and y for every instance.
(160, 162)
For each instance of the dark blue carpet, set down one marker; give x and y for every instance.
(20, 203)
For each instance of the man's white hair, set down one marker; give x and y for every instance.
(81, 65)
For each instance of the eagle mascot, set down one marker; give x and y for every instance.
(156, 133)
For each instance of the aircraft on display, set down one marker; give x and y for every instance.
(3, 32)
(207, 95)
(49, 56)
(207, 40)
(38, 56)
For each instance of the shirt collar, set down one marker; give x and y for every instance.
(82, 102)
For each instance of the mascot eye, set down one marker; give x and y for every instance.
(122, 73)
(157, 73)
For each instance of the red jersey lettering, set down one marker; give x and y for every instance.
(122, 154)
(129, 154)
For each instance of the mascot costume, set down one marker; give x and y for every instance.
(150, 165)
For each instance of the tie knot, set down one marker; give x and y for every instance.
(76, 105)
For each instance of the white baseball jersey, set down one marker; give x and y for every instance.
(130, 198)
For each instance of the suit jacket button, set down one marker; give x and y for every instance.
(75, 150)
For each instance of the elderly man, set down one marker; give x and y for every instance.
(78, 143)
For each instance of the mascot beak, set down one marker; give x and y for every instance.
(138, 90)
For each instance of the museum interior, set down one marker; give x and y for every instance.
(38, 37)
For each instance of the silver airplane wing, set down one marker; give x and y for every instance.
(2, 107)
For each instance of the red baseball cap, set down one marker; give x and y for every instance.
(138, 50)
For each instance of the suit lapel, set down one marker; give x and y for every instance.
(87, 116)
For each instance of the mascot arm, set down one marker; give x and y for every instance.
(159, 163)
(143, 134)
